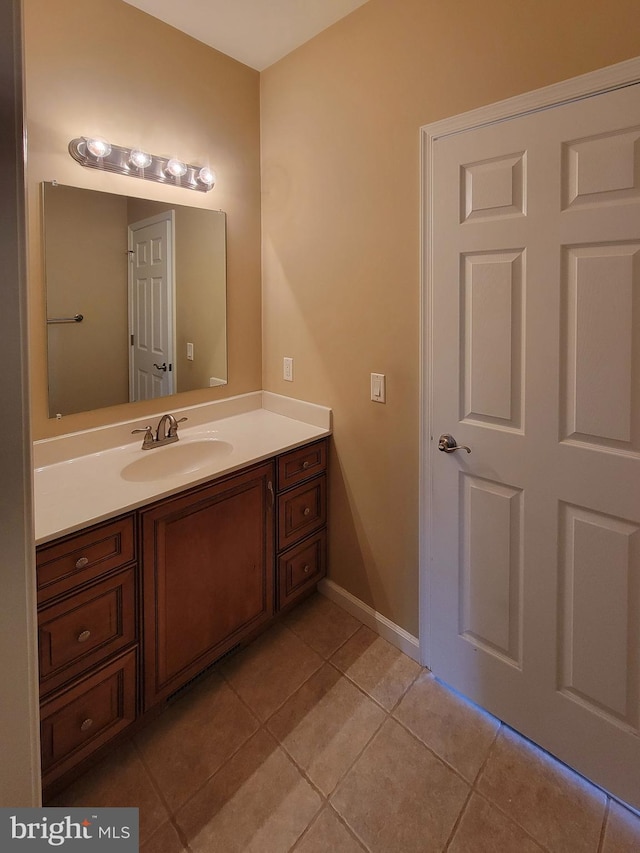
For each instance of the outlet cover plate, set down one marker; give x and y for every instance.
(287, 369)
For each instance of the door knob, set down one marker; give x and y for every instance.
(162, 366)
(448, 444)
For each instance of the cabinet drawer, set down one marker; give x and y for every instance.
(84, 629)
(301, 511)
(301, 567)
(78, 721)
(83, 557)
(301, 464)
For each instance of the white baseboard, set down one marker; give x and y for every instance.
(387, 629)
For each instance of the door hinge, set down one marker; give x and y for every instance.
(131, 340)
(170, 368)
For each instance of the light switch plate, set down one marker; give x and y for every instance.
(189, 352)
(378, 388)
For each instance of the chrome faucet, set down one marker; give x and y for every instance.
(162, 436)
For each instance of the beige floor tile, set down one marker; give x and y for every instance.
(483, 829)
(398, 797)
(376, 666)
(556, 806)
(622, 834)
(325, 725)
(456, 730)
(257, 803)
(119, 780)
(328, 835)
(194, 737)
(267, 672)
(322, 624)
(165, 840)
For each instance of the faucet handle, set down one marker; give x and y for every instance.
(173, 427)
(147, 441)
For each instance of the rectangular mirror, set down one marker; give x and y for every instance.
(136, 298)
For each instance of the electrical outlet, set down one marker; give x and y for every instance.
(287, 369)
(189, 352)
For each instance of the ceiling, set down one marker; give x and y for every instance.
(255, 32)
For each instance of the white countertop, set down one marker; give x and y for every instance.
(75, 492)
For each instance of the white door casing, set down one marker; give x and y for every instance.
(530, 545)
(151, 307)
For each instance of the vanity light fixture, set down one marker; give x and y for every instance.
(98, 147)
(207, 177)
(140, 159)
(97, 153)
(176, 168)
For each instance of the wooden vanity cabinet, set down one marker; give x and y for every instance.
(207, 576)
(131, 610)
(87, 642)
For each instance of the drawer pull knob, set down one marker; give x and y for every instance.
(305, 464)
(86, 724)
(82, 562)
(306, 568)
(83, 636)
(306, 511)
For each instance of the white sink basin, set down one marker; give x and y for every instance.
(180, 458)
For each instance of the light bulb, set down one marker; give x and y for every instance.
(98, 147)
(176, 168)
(140, 159)
(207, 177)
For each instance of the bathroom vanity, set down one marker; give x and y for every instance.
(133, 608)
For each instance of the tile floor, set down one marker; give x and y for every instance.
(323, 738)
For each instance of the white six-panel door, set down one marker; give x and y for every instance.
(151, 363)
(534, 590)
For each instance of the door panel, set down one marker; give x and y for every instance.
(492, 323)
(150, 244)
(494, 187)
(601, 169)
(534, 606)
(599, 339)
(490, 582)
(599, 656)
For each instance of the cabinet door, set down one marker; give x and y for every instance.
(208, 576)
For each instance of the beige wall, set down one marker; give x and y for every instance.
(341, 287)
(200, 306)
(115, 72)
(86, 264)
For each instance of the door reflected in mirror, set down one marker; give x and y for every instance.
(136, 298)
